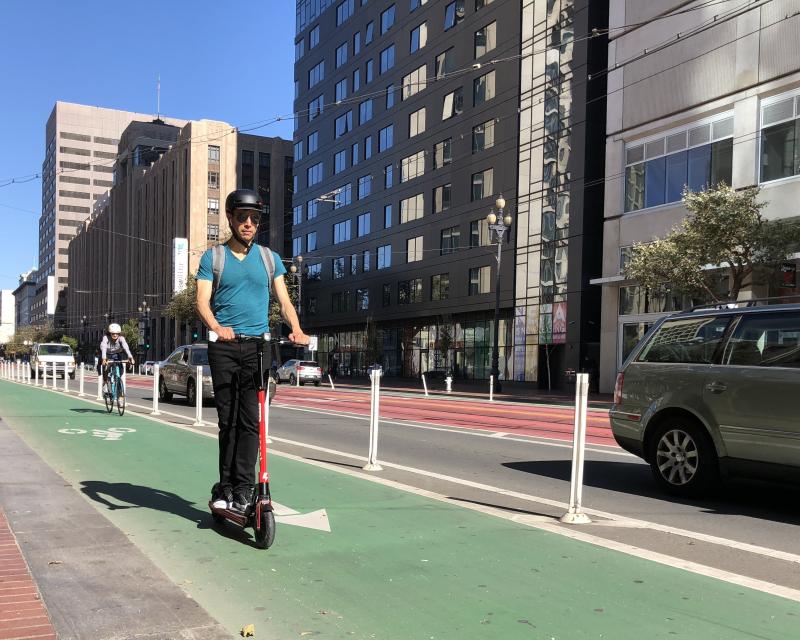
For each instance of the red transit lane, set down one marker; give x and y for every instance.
(522, 419)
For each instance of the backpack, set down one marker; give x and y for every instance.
(218, 264)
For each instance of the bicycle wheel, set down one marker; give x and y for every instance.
(108, 395)
(120, 397)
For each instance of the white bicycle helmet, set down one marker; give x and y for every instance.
(114, 328)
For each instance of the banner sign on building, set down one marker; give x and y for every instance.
(51, 295)
(180, 264)
(789, 275)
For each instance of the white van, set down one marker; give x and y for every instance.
(45, 354)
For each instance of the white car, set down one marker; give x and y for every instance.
(46, 354)
(306, 370)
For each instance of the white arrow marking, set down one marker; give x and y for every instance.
(313, 520)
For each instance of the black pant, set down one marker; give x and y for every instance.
(234, 368)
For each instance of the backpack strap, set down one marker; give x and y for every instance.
(217, 265)
(269, 264)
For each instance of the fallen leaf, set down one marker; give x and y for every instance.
(56, 562)
(248, 631)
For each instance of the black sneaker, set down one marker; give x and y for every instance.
(221, 496)
(242, 498)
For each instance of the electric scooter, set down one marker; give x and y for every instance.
(259, 514)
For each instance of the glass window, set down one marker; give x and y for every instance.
(414, 249)
(479, 233)
(337, 268)
(341, 232)
(313, 37)
(370, 31)
(311, 241)
(388, 176)
(312, 142)
(299, 49)
(316, 74)
(386, 138)
(414, 82)
(314, 174)
(416, 4)
(442, 153)
(357, 43)
(412, 167)
(297, 215)
(340, 161)
(453, 14)
(482, 184)
(412, 208)
(365, 260)
(341, 55)
(363, 224)
(367, 147)
(297, 246)
(314, 271)
(356, 80)
(780, 151)
(364, 186)
(315, 108)
(480, 4)
(688, 340)
(453, 104)
(441, 198)
(387, 216)
(409, 291)
(354, 154)
(450, 239)
(479, 278)
(485, 39)
(483, 136)
(343, 196)
(365, 111)
(387, 295)
(213, 176)
(311, 209)
(362, 299)
(445, 62)
(344, 124)
(419, 37)
(387, 19)
(385, 256)
(341, 90)
(370, 71)
(765, 340)
(440, 286)
(353, 264)
(344, 11)
(213, 153)
(416, 123)
(387, 59)
(390, 96)
(483, 88)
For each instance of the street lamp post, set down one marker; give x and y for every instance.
(297, 270)
(144, 325)
(499, 223)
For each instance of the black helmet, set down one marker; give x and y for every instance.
(243, 199)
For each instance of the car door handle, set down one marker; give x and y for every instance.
(716, 387)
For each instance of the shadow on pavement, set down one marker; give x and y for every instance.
(752, 498)
(89, 410)
(134, 496)
(502, 507)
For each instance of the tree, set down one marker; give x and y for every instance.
(725, 229)
(183, 306)
(446, 339)
(130, 330)
(72, 342)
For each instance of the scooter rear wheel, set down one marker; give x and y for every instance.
(265, 534)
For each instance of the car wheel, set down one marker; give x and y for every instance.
(316, 383)
(683, 458)
(163, 394)
(292, 380)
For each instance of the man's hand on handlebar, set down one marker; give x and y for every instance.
(225, 333)
(298, 337)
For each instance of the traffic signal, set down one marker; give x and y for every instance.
(194, 335)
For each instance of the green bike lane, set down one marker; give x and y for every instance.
(395, 565)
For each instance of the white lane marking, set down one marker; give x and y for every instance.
(111, 434)
(498, 434)
(716, 540)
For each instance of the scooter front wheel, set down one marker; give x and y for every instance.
(265, 534)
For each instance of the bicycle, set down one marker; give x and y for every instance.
(115, 389)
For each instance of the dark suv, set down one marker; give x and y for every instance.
(710, 393)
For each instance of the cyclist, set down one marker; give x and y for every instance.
(236, 308)
(112, 347)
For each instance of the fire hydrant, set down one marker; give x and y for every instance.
(448, 381)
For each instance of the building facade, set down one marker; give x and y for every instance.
(165, 209)
(80, 152)
(413, 118)
(696, 96)
(24, 296)
(7, 315)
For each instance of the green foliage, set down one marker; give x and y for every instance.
(72, 342)
(446, 339)
(183, 305)
(724, 228)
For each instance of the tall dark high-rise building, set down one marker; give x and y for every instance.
(413, 119)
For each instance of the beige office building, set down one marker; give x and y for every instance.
(162, 214)
(80, 151)
(696, 95)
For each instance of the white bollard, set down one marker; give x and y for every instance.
(80, 383)
(55, 376)
(66, 378)
(425, 384)
(27, 373)
(198, 389)
(372, 459)
(36, 375)
(100, 385)
(155, 411)
(17, 375)
(491, 388)
(297, 375)
(574, 515)
(331, 381)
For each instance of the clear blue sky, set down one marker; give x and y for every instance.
(230, 61)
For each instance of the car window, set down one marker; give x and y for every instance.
(765, 340)
(288, 363)
(687, 340)
(199, 356)
(308, 363)
(175, 356)
(54, 350)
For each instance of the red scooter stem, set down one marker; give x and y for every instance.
(263, 409)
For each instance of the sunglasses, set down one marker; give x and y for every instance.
(114, 334)
(242, 216)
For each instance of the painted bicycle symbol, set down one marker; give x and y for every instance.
(112, 433)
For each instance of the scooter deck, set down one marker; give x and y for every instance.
(243, 520)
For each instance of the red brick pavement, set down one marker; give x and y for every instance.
(22, 612)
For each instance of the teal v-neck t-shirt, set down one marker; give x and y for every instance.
(242, 297)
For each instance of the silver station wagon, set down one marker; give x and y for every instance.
(711, 393)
